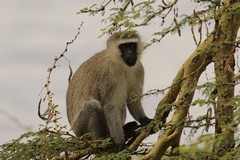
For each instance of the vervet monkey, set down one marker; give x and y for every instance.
(102, 86)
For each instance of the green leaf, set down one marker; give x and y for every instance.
(137, 15)
(200, 102)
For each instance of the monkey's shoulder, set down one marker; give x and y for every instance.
(100, 62)
(104, 66)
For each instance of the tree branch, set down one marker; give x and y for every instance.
(192, 69)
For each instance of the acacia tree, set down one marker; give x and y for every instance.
(219, 47)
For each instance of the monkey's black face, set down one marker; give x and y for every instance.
(129, 53)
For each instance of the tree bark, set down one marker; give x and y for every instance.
(224, 63)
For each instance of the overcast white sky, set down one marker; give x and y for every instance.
(32, 32)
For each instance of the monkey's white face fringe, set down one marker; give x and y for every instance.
(113, 49)
(132, 40)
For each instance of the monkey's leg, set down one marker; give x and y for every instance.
(91, 120)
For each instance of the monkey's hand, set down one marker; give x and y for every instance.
(145, 121)
(130, 126)
(131, 131)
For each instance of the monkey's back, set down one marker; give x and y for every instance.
(88, 82)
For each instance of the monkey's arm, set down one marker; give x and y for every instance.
(135, 107)
(136, 110)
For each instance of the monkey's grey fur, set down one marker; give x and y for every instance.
(101, 88)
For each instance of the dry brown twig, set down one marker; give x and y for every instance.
(51, 110)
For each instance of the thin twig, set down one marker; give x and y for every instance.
(52, 113)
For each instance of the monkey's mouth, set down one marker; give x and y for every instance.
(131, 62)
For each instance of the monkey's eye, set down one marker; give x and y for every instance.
(128, 45)
(123, 45)
(133, 46)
